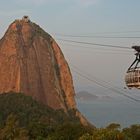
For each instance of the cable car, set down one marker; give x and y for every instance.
(132, 77)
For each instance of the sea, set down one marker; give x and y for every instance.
(104, 112)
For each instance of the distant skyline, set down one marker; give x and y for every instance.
(84, 17)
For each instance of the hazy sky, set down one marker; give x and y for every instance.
(84, 17)
(74, 16)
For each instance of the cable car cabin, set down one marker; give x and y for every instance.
(132, 77)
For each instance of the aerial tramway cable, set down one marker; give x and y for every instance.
(132, 77)
(99, 36)
(95, 44)
(97, 33)
(101, 49)
(103, 84)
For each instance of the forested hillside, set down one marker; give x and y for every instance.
(22, 118)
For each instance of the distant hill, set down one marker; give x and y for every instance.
(105, 97)
(86, 96)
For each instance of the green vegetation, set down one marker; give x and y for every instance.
(22, 118)
(27, 110)
(113, 132)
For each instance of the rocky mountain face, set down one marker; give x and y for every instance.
(32, 63)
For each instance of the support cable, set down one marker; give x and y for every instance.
(102, 84)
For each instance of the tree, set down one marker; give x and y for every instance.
(12, 130)
(105, 134)
(114, 126)
(86, 136)
(133, 132)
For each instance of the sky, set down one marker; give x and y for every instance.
(84, 17)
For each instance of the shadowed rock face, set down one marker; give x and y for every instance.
(31, 62)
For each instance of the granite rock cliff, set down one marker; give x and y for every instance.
(32, 63)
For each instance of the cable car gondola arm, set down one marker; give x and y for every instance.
(132, 64)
